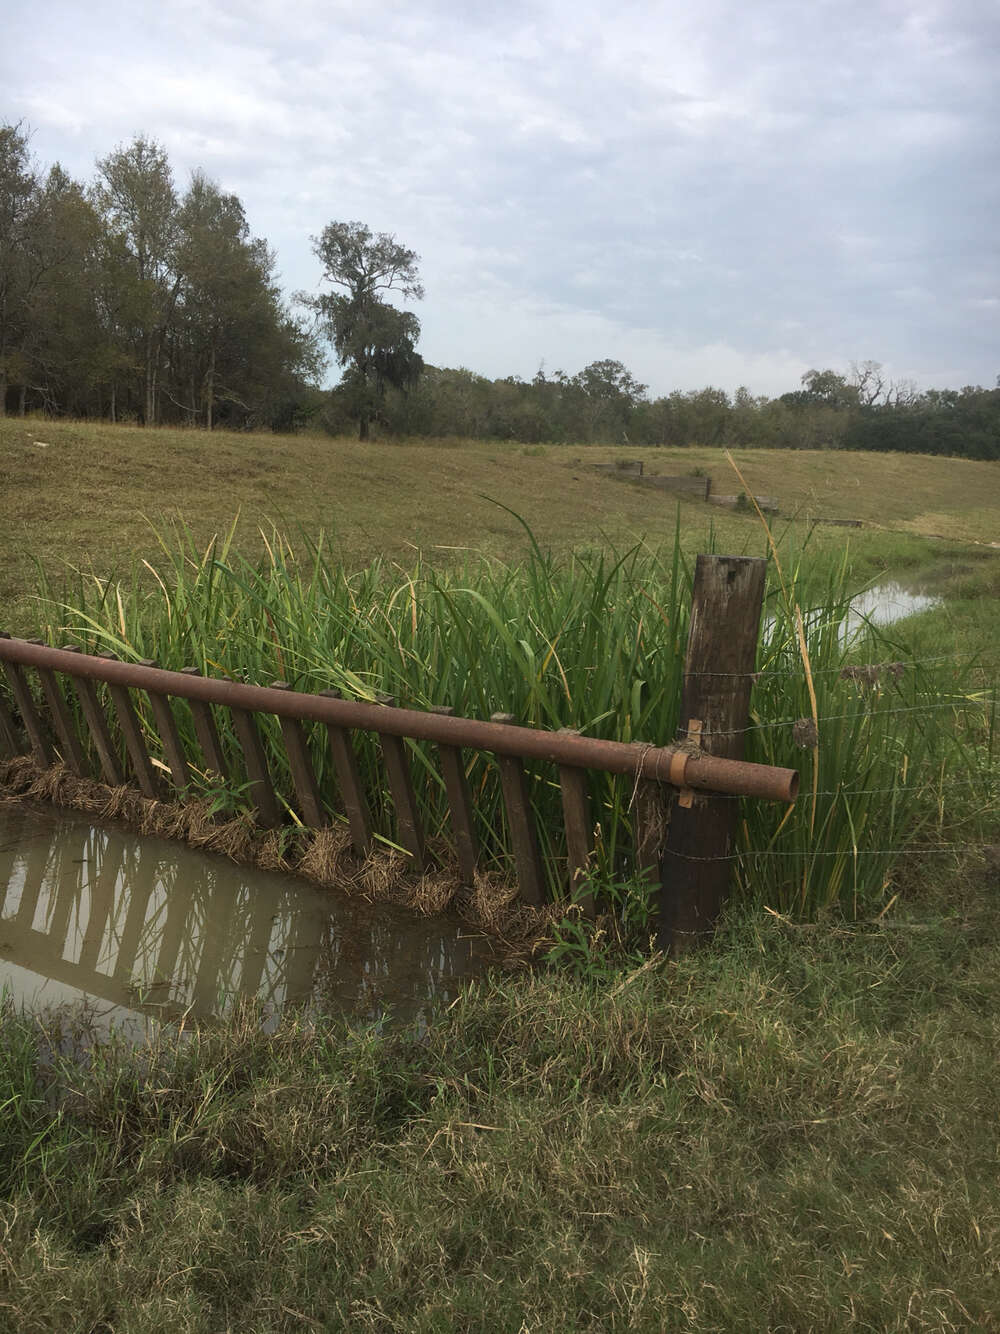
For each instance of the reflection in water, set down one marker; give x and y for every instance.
(145, 927)
(884, 604)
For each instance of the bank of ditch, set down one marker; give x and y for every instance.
(894, 746)
(793, 1129)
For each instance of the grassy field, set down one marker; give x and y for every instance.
(85, 498)
(795, 1130)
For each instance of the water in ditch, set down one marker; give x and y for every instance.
(136, 931)
(886, 603)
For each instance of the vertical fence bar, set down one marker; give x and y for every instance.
(345, 764)
(9, 747)
(404, 802)
(166, 725)
(261, 787)
(62, 721)
(520, 822)
(718, 676)
(41, 748)
(456, 786)
(207, 732)
(579, 830)
(97, 724)
(135, 742)
(303, 774)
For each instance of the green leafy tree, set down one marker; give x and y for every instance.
(608, 394)
(234, 343)
(20, 204)
(62, 332)
(136, 196)
(373, 341)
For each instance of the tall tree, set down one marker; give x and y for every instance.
(62, 332)
(375, 342)
(237, 352)
(135, 192)
(20, 202)
(226, 276)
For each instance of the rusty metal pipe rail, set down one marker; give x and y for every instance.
(666, 764)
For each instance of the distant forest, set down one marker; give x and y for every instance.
(125, 299)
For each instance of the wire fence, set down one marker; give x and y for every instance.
(846, 670)
(846, 854)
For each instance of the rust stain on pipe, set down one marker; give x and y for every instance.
(705, 772)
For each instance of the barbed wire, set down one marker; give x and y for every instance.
(845, 669)
(959, 780)
(964, 702)
(850, 853)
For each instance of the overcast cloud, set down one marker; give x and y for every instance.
(722, 192)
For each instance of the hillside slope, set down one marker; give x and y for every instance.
(87, 494)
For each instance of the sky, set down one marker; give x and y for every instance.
(728, 192)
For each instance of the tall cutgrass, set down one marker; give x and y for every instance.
(593, 641)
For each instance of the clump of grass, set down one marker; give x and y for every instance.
(760, 1137)
(595, 642)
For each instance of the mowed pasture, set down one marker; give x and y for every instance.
(84, 493)
(793, 1129)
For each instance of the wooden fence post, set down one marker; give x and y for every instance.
(166, 725)
(715, 703)
(579, 827)
(8, 733)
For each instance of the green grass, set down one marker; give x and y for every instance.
(83, 498)
(794, 1130)
(593, 642)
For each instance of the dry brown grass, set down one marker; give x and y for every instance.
(86, 498)
(324, 857)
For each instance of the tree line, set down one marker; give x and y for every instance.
(126, 299)
(605, 404)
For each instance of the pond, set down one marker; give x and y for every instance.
(142, 930)
(886, 603)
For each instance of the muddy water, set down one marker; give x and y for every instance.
(144, 930)
(885, 604)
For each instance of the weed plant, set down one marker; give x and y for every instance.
(893, 753)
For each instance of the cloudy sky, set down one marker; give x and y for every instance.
(724, 192)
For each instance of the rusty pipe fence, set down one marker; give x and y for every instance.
(53, 730)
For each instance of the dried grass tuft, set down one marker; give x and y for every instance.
(432, 893)
(323, 856)
(381, 871)
(328, 858)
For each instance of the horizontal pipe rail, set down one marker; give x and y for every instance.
(679, 767)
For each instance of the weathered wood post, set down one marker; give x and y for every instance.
(715, 703)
